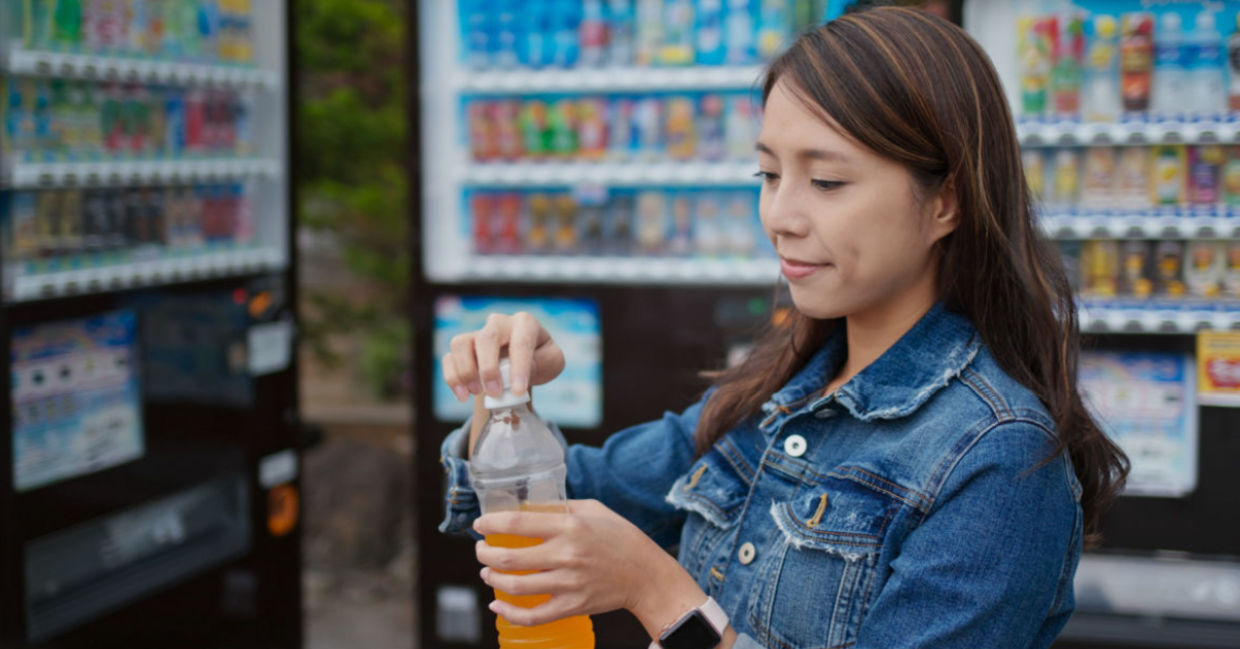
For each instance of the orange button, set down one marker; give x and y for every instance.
(283, 508)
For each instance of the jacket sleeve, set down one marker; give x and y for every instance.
(992, 564)
(630, 474)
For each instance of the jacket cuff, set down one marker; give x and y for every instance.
(460, 501)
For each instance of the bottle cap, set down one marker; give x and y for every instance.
(507, 399)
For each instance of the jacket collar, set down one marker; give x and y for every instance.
(918, 365)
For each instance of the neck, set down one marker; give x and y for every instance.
(870, 333)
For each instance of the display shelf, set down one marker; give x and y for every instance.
(1178, 224)
(24, 285)
(21, 61)
(524, 174)
(619, 270)
(1154, 317)
(1048, 134)
(628, 79)
(35, 175)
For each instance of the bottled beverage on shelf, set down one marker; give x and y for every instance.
(677, 33)
(73, 228)
(593, 33)
(1172, 54)
(518, 465)
(1233, 64)
(1206, 92)
(774, 28)
(62, 120)
(543, 33)
(1100, 98)
(592, 220)
(1034, 53)
(711, 48)
(1068, 47)
(742, 46)
(648, 32)
(620, 36)
(1136, 60)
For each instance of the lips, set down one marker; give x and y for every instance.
(795, 269)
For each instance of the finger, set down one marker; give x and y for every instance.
(525, 334)
(548, 582)
(487, 345)
(556, 608)
(539, 525)
(532, 558)
(452, 379)
(548, 362)
(464, 358)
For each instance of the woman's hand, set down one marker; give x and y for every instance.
(472, 367)
(592, 561)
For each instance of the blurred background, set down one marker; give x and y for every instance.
(238, 234)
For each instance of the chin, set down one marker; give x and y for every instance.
(818, 307)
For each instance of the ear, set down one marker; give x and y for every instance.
(943, 209)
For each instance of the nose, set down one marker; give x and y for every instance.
(782, 211)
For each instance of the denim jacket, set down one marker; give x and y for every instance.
(919, 505)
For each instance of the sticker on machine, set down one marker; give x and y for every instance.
(1146, 403)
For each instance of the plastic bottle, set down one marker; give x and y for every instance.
(1171, 49)
(1206, 92)
(1069, 48)
(1100, 83)
(518, 464)
(1233, 60)
(620, 32)
(710, 46)
(67, 25)
(739, 30)
(1136, 62)
(593, 33)
(1033, 43)
(775, 28)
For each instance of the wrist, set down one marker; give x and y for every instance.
(666, 598)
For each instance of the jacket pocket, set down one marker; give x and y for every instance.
(814, 586)
(713, 492)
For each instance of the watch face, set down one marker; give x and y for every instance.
(694, 632)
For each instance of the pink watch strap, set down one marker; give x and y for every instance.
(711, 610)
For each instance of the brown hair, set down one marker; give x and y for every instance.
(918, 90)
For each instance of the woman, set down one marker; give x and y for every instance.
(907, 461)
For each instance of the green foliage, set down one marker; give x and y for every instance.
(352, 179)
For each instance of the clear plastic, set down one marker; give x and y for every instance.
(518, 465)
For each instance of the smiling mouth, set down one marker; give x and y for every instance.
(793, 269)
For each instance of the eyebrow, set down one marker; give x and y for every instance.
(807, 154)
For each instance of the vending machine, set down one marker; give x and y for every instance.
(149, 478)
(590, 162)
(1127, 115)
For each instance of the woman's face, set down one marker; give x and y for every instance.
(852, 234)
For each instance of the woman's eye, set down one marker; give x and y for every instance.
(827, 185)
(766, 176)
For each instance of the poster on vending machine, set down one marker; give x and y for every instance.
(1146, 403)
(77, 405)
(575, 398)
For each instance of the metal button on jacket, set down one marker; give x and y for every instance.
(795, 446)
(746, 553)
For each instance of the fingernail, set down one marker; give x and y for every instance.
(484, 573)
(518, 388)
(475, 387)
(494, 388)
(461, 393)
(494, 606)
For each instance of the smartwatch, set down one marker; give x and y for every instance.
(700, 628)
